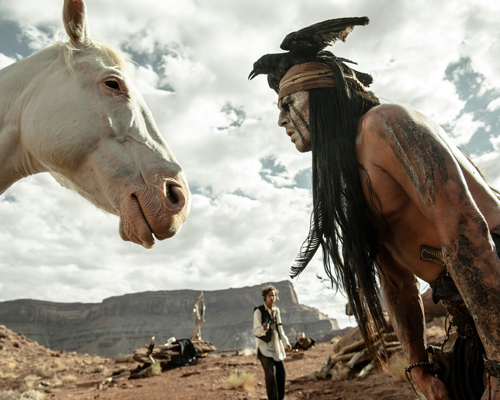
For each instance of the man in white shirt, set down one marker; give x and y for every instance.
(271, 342)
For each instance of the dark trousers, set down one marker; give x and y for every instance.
(275, 377)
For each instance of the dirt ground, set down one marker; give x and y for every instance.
(30, 371)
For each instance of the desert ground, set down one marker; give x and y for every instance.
(30, 371)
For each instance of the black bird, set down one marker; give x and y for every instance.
(304, 45)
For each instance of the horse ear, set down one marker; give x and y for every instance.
(75, 21)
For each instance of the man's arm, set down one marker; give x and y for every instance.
(401, 293)
(408, 146)
(284, 338)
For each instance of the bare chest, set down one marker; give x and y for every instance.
(402, 228)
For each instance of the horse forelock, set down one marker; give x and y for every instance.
(105, 51)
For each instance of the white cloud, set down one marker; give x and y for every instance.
(4, 60)
(55, 246)
(462, 129)
(37, 39)
(490, 163)
(494, 105)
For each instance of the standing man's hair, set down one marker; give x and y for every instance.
(268, 289)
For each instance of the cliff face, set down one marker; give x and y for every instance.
(121, 324)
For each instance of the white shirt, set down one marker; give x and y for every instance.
(275, 349)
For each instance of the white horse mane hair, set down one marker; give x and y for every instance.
(114, 54)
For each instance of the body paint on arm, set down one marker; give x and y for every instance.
(420, 156)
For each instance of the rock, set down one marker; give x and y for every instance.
(335, 334)
(121, 324)
(297, 355)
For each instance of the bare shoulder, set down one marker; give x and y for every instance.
(390, 128)
(387, 117)
(387, 110)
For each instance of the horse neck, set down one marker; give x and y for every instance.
(17, 84)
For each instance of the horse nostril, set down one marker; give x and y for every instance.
(172, 196)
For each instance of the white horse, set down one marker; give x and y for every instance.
(71, 110)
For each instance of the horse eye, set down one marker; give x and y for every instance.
(113, 85)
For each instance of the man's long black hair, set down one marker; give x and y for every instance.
(341, 221)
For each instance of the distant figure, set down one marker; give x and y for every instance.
(271, 342)
(304, 343)
(199, 317)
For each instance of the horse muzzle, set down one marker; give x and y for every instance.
(156, 210)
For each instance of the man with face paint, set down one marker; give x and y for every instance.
(393, 199)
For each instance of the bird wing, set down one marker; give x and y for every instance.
(315, 38)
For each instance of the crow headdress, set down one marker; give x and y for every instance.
(307, 45)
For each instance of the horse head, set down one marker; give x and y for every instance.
(81, 119)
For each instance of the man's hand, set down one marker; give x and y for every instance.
(265, 325)
(288, 347)
(431, 387)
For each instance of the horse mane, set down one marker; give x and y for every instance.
(120, 59)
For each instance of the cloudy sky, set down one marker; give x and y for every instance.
(250, 188)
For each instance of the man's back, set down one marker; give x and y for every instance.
(422, 185)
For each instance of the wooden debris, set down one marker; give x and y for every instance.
(326, 368)
(354, 360)
(356, 346)
(170, 353)
(143, 371)
(366, 370)
(199, 317)
(340, 372)
(358, 358)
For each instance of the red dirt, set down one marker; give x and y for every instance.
(25, 365)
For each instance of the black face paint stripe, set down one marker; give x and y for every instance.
(301, 118)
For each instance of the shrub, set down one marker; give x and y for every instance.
(7, 375)
(241, 380)
(45, 373)
(155, 369)
(29, 395)
(69, 378)
(397, 364)
(99, 369)
(28, 383)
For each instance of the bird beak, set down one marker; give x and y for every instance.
(252, 75)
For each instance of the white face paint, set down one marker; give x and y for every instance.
(294, 117)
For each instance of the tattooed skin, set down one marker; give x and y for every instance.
(419, 155)
(425, 164)
(475, 283)
(467, 253)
